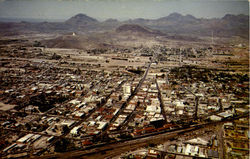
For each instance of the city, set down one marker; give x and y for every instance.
(171, 98)
(53, 103)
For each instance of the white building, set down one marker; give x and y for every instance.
(127, 90)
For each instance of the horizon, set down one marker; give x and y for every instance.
(61, 10)
(63, 20)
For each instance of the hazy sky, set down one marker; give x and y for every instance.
(119, 9)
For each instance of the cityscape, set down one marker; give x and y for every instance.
(137, 89)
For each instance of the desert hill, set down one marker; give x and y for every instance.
(174, 24)
(136, 29)
(81, 19)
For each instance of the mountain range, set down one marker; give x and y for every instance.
(174, 24)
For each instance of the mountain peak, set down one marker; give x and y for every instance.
(175, 15)
(190, 16)
(136, 29)
(172, 16)
(80, 15)
(81, 19)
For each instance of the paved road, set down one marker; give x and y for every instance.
(132, 95)
(161, 102)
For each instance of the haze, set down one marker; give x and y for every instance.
(118, 9)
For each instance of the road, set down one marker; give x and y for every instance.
(161, 102)
(131, 96)
(122, 108)
(116, 148)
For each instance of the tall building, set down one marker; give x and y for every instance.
(127, 90)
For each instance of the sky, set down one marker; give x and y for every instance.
(119, 9)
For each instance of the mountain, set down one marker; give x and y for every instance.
(171, 17)
(177, 17)
(173, 24)
(113, 33)
(134, 28)
(81, 19)
(241, 18)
